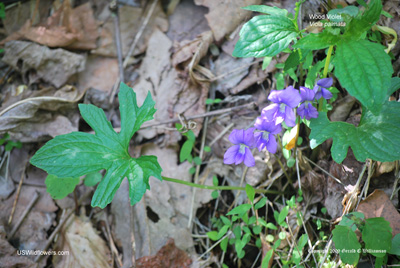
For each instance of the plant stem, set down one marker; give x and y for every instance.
(327, 61)
(325, 73)
(220, 188)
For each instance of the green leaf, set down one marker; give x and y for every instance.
(374, 138)
(207, 149)
(347, 220)
(266, 62)
(365, 70)
(283, 214)
(197, 160)
(92, 179)
(186, 151)
(132, 116)
(347, 243)
(352, 11)
(363, 22)
(240, 209)
(58, 188)
(394, 85)
(250, 192)
(138, 174)
(267, 258)
(292, 61)
(261, 203)
(76, 154)
(377, 235)
(224, 244)
(317, 41)
(257, 229)
(267, 10)
(213, 235)
(395, 249)
(313, 72)
(214, 194)
(265, 35)
(225, 220)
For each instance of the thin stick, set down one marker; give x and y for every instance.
(220, 188)
(117, 36)
(53, 234)
(28, 208)
(207, 114)
(324, 171)
(17, 195)
(133, 46)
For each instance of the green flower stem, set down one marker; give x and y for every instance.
(221, 188)
(327, 61)
(325, 73)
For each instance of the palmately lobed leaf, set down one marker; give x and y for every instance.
(265, 35)
(77, 154)
(377, 137)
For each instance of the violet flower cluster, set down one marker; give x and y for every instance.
(283, 109)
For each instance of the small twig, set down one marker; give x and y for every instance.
(207, 114)
(114, 7)
(28, 208)
(111, 241)
(324, 171)
(397, 172)
(213, 246)
(133, 46)
(220, 135)
(17, 195)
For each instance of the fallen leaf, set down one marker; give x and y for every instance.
(168, 256)
(100, 73)
(54, 66)
(342, 108)
(130, 19)
(181, 28)
(25, 120)
(378, 204)
(224, 15)
(72, 28)
(9, 256)
(224, 67)
(6, 183)
(85, 246)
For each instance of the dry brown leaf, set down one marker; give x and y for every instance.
(191, 52)
(168, 256)
(31, 120)
(9, 257)
(265, 248)
(378, 204)
(130, 19)
(225, 15)
(384, 167)
(54, 66)
(100, 73)
(72, 28)
(85, 246)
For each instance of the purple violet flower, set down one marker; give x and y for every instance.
(282, 109)
(321, 88)
(266, 138)
(240, 152)
(306, 109)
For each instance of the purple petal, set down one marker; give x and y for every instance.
(306, 94)
(262, 123)
(326, 93)
(312, 112)
(290, 96)
(248, 158)
(325, 82)
(272, 145)
(290, 118)
(317, 92)
(248, 137)
(274, 96)
(301, 110)
(240, 156)
(236, 136)
(270, 111)
(230, 154)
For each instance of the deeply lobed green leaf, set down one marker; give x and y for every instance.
(377, 137)
(265, 35)
(76, 154)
